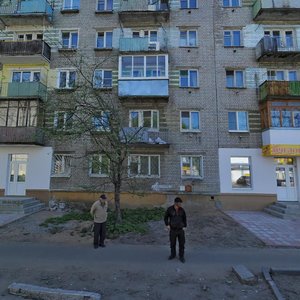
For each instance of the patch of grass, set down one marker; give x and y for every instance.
(133, 220)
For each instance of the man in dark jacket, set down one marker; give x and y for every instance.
(175, 220)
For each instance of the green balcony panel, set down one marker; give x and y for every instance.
(26, 89)
(134, 44)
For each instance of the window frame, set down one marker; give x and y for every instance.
(230, 4)
(72, 7)
(68, 71)
(102, 128)
(67, 121)
(237, 121)
(232, 38)
(286, 74)
(103, 79)
(31, 71)
(69, 46)
(105, 6)
(189, 5)
(189, 78)
(190, 121)
(139, 165)
(100, 159)
(235, 86)
(66, 173)
(104, 40)
(187, 41)
(201, 171)
(141, 118)
(249, 164)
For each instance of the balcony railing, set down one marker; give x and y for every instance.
(138, 44)
(143, 5)
(21, 135)
(32, 9)
(276, 48)
(273, 10)
(279, 89)
(28, 49)
(23, 90)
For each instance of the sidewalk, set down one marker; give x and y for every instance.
(271, 230)
(9, 218)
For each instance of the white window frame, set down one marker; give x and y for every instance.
(130, 157)
(25, 71)
(189, 79)
(187, 44)
(25, 34)
(282, 35)
(241, 164)
(237, 121)
(72, 5)
(190, 121)
(145, 65)
(105, 5)
(285, 74)
(235, 79)
(101, 127)
(68, 71)
(70, 32)
(66, 118)
(230, 4)
(189, 5)
(105, 39)
(141, 118)
(66, 166)
(232, 38)
(100, 159)
(102, 76)
(191, 163)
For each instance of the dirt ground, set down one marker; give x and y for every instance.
(206, 229)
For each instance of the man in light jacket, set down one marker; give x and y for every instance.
(99, 213)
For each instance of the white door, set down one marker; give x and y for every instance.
(286, 183)
(17, 175)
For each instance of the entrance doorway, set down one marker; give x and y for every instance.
(17, 174)
(286, 181)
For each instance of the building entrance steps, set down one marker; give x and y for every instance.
(271, 230)
(284, 210)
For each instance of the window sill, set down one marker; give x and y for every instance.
(236, 88)
(188, 47)
(103, 49)
(70, 11)
(230, 47)
(97, 176)
(109, 88)
(238, 131)
(192, 177)
(99, 12)
(64, 90)
(60, 176)
(188, 8)
(230, 7)
(190, 131)
(190, 87)
(67, 49)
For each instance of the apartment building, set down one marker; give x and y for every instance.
(214, 83)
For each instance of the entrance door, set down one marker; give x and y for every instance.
(17, 174)
(286, 183)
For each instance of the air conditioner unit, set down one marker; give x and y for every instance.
(152, 7)
(154, 46)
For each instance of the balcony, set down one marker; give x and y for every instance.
(274, 10)
(132, 11)
(273, 49)
(33, 51)
(139, 45)
(149, 88)
(279, 90)
(26, 12)
(145, 138)
(23, 90)
(21, 135)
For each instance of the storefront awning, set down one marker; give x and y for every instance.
(281, 150)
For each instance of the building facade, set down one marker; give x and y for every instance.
(213, 83)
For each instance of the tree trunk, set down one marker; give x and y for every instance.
(117, 203)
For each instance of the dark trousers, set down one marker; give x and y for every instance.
(177, 234)
(99, 233)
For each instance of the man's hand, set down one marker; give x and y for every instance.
(168, 227)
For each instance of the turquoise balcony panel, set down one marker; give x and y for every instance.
(25, 90)
(134, 44)
(144, 88)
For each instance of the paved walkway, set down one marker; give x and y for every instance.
(8, 218)
(271, 230)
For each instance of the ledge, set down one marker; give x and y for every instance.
(105, 12)
(70, 11)
(67, 49)
(103, 49)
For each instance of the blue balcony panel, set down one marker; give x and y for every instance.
(144, 88)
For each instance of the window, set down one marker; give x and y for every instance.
(238, 121)
(104, 5)
(71, 4)
(234, 79)
(188, 4)
(26, 76)
(159, 4)
(151, 35)
(188, 78)
(143, 118)
(102, 79)
(29, 36)
(63, 120)
(66, 79)
(99, 165)
(284, 38)
(232, 38)
(144, 165)
(69, 39)
(18, 113)
(191, 166)
(61, 165)
(231, 3)
(104, 40)
(240, 172)
(151, 66)
(282, 75)
(101, 122)
(285, 118)
(190, 120)
(188, 38)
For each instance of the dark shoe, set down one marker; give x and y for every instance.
(182, 259)
(102, 246)
(171, 257)
(95, 247)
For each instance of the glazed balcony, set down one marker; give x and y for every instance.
(274, 10)
(24, 90)
(26, 12)
(144, 11)
(279, 90)
(273, 49)
(21, 135)
(139, 45)
(16, 51)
